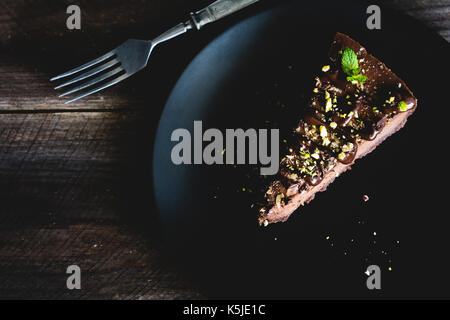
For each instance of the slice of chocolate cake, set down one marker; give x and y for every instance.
(357, 103)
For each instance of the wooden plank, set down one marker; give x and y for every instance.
(77, 163)
(114, 262)
(433, 13)
(25, 88)
(76, 188)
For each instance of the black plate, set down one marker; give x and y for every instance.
(246, 76)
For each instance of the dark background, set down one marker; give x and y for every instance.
(75, 181)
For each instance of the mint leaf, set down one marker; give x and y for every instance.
(350, 65)
(350, 62)
(359, 77)
(356, 71)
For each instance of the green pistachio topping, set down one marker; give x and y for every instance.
(402, 106)
(279, 197)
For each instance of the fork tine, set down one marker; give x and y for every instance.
(99, 69)
(84, 66)
(93, 81)
(106, 85)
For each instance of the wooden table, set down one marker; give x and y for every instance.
(75, 181)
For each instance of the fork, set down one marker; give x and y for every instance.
(133, 55)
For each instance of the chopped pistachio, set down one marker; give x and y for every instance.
(391, 99)
(325, 68)
(293, 176)
(341, 156)
(327, 95)
(326, 141)
(329, 105)
(347, 147)
(305, 155)
(279, 197)
(333, 125)
(323, 131)
(316, 90)
(402, 106)
(316, 156)
(334, 145)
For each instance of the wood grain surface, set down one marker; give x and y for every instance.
(75, 181)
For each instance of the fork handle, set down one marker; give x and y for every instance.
(218, 10)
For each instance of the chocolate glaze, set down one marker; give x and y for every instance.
(342, 116)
